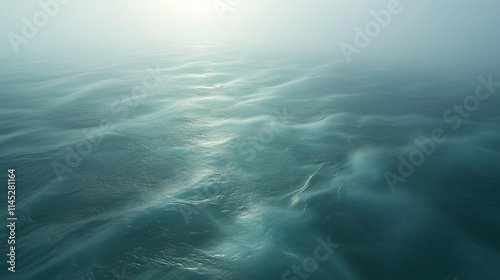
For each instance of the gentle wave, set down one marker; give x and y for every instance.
(232, 167)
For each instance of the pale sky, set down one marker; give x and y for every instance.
(449, 30)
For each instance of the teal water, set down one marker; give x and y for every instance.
(202, 164)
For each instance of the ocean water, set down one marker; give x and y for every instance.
(199, 163)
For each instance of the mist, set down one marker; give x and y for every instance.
(422, 32)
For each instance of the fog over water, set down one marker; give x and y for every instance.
(287, 139)
(424, 31)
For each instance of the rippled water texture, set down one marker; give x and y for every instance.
(202, 164)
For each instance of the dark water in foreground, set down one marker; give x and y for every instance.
(199, 164)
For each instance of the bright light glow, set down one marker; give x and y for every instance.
(187, 11)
